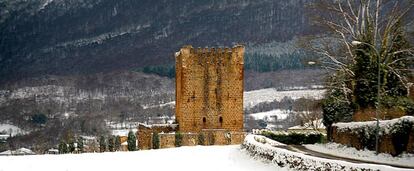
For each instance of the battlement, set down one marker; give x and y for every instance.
(209, 88)
(188, 51)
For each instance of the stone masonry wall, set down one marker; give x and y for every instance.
(211, 137)
(385, 146)
(144, 134)
(209, 89)
(167, 140)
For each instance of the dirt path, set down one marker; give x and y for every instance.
(304, 150)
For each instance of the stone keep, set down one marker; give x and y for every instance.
(209, 89)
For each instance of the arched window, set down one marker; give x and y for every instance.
(204, 120)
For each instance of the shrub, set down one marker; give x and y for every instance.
(111, 143)
(63, 148)
(155, 141)
(132, 141)
(404, 103)
(178, 139)
(211, 138)
(71, 148)
(117, 143)
(80, 144)
(295, 138)
(400, 134)
(102, 144)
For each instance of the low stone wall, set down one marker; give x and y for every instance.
(166, 133)
(190, 139)
(410, 146)
(361, 135)
(222, 137)
(144, 133)
(167, 140)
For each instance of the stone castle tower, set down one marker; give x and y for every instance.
(209, 89)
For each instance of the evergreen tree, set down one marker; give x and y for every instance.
(111, 144)
(63, 148)
(80, 144)
(201, 139)
(71, 147)
(335, 108)
(102, 144)
(178, 139)
(117, 143)
(132, 141)
(155, 140)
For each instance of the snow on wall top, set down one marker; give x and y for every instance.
(385, 125)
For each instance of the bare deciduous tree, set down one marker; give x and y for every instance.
(350, 21)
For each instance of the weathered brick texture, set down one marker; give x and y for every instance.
(167, 140)
(351, 139)
(209, 89)
(144, 134)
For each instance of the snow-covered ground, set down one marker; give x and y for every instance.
(122, 132)
(252, 98)
(267, 149)
(11, 129)
(201, 158)
(170, 104)
(365, 155)
(280, 114)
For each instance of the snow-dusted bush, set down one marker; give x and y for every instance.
(295, 137)
(254, 145)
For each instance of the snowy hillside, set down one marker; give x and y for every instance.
(183, 158)
(11, 129)
(252, 98)
(279, 114)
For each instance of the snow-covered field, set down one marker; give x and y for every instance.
(201, 158)
(252, 98)
(11, 129)
(280, 114)
(365, 155)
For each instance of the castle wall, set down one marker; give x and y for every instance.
(209, 89)
(144, 134)
(386, 145)
(167, 137)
